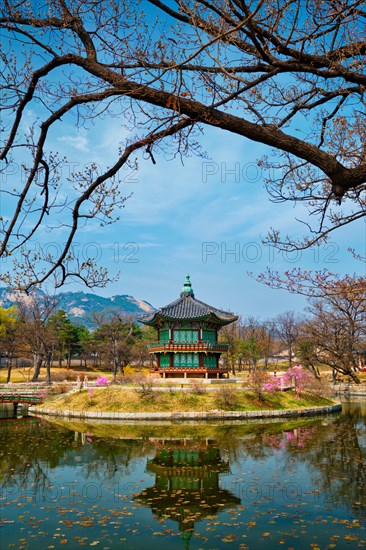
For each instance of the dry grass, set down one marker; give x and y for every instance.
(24, 374)
(114, 399)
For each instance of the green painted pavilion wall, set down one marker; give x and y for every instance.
(186, 334)
(164, 336)
(164, 360)
(209, 361)
(209, 336)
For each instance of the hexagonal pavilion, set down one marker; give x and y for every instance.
(188, 337)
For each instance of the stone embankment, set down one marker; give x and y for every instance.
(201, 415)
(350, 390)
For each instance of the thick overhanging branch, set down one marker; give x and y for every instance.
(343, 178)
(230, 50)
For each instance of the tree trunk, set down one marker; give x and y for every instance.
(48, 366)
(37, 364)
(69, 356)
(290, 356)
(316, 371)
(9, 361)
(115, 359)
(354, 377)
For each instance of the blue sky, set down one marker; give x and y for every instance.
(206, 218)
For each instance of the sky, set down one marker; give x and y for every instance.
(206, 217)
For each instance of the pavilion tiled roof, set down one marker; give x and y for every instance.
(188, 307)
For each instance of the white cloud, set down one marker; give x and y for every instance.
(79, 142)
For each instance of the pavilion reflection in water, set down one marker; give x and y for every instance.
(187, 485)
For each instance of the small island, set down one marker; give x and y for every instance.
(144, 401)
(189, 380)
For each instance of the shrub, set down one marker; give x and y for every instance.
(124, 379)
(298, 377)
(226, 397)
(197, 387)
(171, 386)
(272, 385)
(256, 382)
(59, 376)
(320, 387)
(145, 386)
(102, 381)
(60, 388)
(131, 371)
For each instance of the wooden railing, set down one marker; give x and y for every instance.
(20, 398)
(188, 346)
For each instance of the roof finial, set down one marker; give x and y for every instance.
(187, 287)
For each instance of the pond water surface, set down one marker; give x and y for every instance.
(298, 484)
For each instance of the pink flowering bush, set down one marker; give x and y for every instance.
(102, 381)
(297, 377)
(260, 382)
(272, 385)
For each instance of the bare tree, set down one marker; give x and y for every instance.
(256, 341)
(262, 70)
(287, 328)
(37, 337)
(114, 338)
(337, 329)
(230, 334)
(336, 332)
(334, 344)
(9, 336)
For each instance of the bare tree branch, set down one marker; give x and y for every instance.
(256, 69)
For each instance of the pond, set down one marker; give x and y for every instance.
(298, 484)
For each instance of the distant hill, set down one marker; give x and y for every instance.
(80, 306)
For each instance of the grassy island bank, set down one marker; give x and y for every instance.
(118, 400)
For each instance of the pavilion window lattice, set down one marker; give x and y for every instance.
(186, 360)
(185, 336)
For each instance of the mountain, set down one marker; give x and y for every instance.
(80, 306)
